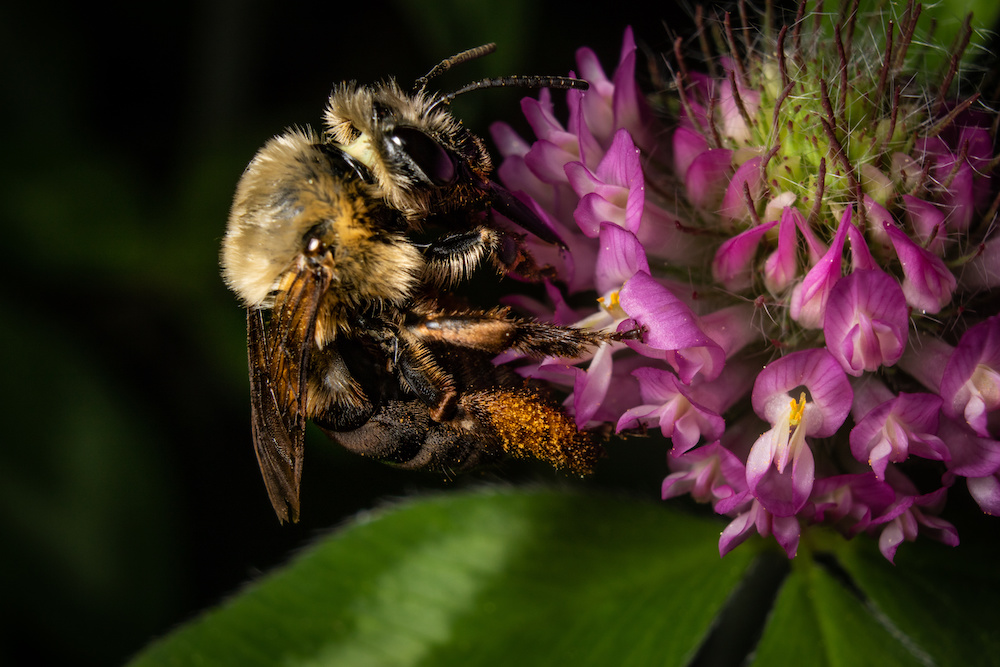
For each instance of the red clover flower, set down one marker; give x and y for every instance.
(806, 235)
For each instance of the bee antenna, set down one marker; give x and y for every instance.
(457, 59)
(558, 82)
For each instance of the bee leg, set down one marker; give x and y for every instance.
(420, 373)
(512, 257)
(453, 258)
(338, 394)
(494, 332)
(414, 365)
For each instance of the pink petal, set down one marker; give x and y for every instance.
(739, 529)
(734, 203)
(631, 109)
(808, 303)
(594, 210)
(706, 178)
(983, 272)
(672, 331)
(861, 256)
(850, 500)
(515, 174)
(710, 474)
(732, 328)
(971, 455)
(829, 392)
(620, 164)
(816, 247)
(590, 149)
(507, 140)
(688, 145)
(786, 531)
(782, 492)
(539, 114)
(782, 266)
(733, 263)
(591, 386)
(866, 321)
(596, 104)
(894, 533)
(986, 492)
(893, 430)
(927, 222)
(547, 160)
(971, 381)
(619, 258)
(928, 283)
(671, 407)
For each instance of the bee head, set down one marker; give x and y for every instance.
(421, 157)
(426, 163)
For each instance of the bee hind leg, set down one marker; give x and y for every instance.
(488, 426)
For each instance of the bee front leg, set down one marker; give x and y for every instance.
(453, 258)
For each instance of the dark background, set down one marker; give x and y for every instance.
(129, 494)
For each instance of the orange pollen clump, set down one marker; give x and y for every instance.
(529, 427)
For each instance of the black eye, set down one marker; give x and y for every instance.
(421, 152)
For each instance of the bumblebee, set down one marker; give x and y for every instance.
(347, 323)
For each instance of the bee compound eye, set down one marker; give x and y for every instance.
(423, 152)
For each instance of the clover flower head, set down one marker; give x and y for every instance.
(807, 239)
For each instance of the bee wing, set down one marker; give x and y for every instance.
(278, 353)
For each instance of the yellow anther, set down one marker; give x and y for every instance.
(610, 302)
(797, 407)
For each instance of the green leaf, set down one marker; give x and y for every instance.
(496, 577)
(941, 599)
(851, 606)
(544, 577)
(817, 621)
